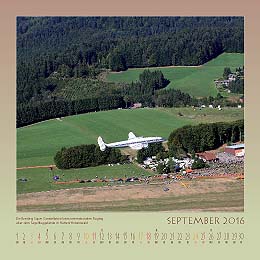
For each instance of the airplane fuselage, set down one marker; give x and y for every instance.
(133, 142)
(136, 141)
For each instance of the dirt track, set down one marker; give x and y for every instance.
(34, 167)
(133, 195)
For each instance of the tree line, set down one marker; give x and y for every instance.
(152, 150)
(87, 156)
(203, 137)
(36, 112)
(174, 98)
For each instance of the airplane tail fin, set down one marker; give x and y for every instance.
(131, 135)
(101, 144)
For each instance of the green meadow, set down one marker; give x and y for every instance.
(41, 179)
(197, 81)
(38, 143)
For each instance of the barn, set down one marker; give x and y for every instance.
(236, 150)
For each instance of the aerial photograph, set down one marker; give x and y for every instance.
(130, 114)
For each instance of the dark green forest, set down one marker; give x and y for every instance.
(43, 110)
(57, 51)
(87, 156)
(203, 137)
(237, 86)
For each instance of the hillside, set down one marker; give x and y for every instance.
(196, 81)
(38, 143)
(80, 47)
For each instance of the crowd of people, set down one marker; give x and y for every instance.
(226, 164)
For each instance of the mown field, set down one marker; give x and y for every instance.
(38, 143)
(197, 81)
(202, 195)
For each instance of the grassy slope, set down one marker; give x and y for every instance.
(195, 81)
(37, 144)
(41, 179)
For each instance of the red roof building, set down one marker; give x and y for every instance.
(207, 156)
(236, 150)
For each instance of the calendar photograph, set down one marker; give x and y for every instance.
(129, 129)
(130, 113)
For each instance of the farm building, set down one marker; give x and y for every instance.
(237, 149)
(207, 156)
(224, 82)
(232, 77)
(137, 105)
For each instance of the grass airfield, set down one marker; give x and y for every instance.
(37, 144)
(217, 195)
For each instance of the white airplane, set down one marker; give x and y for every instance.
(133, 142)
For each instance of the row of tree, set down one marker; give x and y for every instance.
(174, 98)
(202, 137)
(36, 112)
(87, 156)
(152, 150)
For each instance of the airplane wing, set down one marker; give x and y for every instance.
(131, 135)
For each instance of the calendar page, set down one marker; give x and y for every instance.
(130, 129)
